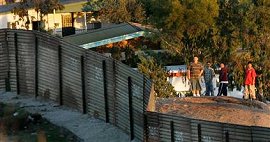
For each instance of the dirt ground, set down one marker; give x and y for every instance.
(219, 109)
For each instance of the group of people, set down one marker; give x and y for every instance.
(196, 71)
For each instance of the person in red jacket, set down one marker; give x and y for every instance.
(223, 79)
(250, 77)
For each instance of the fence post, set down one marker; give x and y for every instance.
(199, 133)
(130, 108)
(227, 138)
(17, 63)
(83, 85)
(7, 81)
(105, 91)
(172, 131)
(60, 75)
(36, 66)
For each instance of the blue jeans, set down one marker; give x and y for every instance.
(209, 88)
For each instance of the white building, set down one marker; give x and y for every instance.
(68, 21)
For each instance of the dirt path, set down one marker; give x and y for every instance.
(84, 126)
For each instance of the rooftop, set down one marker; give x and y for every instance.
(105, 36)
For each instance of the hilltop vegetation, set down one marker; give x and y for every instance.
(229, 31)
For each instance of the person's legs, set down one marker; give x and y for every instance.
(220, 89)
(252, 92)
(211, 89)
(193, 93)
(246, 92)
(193, 87)
(207, 86)
(225, 92)
(198, 93)
(198, 88)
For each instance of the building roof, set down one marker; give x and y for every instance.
(70, 6)
(7, 8)
(105, 36)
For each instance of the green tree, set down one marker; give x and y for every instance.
(158, 74)
(117, 11)
(229, 31)
(43, 7)
(184, 26)
(22, 11)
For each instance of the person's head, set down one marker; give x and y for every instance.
(208, 64)
(195, 59)
(222, 65)
(249, 65)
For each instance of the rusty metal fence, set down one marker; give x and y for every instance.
(38, 64)
(174, 128)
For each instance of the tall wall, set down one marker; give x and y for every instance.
(41, 65)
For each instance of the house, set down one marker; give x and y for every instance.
(103, 39)
(64, 22)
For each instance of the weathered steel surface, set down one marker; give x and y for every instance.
(159, 128)
(107, 91)
(3, 61)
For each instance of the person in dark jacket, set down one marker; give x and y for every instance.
(223, 79)
(209, 74)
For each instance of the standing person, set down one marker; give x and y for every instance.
(223, 79)
(250, 82)
(194, 73)
(208, 74)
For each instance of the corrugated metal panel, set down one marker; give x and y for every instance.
(210, 131)
(95, 85)
(146, 92)
(12, 63)
(260, 134)
(25, 60)
(111, 84)
(186, 129)
(152, 128)
(71, 76)
(3, 60)
(48, 69)
(117, 75)
(122, 99)
(238, 133)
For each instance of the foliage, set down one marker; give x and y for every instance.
(22, 11)
(158, 74)
(93, 5)
(229, 31)
(43, 7)
(191, 23)
(117, 11)
(116, 52)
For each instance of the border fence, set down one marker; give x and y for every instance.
(168, 127)
(38, 64)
